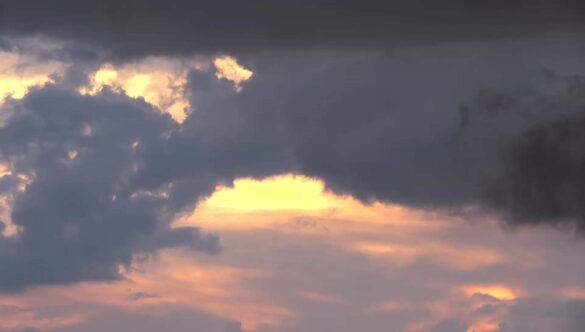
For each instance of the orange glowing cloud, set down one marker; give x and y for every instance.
(19, 72)
(458, 258)
(160, 81)
(500, 292)
(574, 293)
(14, 317)
(4, 170)
(275, 201)
(228, 68)
(161, 283)
(288, 192)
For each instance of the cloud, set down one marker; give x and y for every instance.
(543, 177)
(228, 68)
(355, 122)
(273, 277)
(172, 320)
(22, 69)
(379, 128)
(449, 325)
(534, 314)
(537, 146)
(137, 296)
(233, 327)
(82, 212)
(160, 81)
(107, 173)
(131, 28)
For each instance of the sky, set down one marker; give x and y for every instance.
(300, 166)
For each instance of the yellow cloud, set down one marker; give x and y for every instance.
(500, 292)
(20, 72)
(276, 201)
(288, 192)
(228, 68)
(160, 81)
(4, 170)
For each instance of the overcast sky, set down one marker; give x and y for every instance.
(265, 166)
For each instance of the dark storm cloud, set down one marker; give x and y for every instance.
(378, 128)
(540, 135)
(375, 126)
(132, 28)
(83, 213)
(357, 122)
(544, 176)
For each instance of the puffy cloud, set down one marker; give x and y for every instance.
(160, 81)
(228, 68)
(23, 67)
(82, 215)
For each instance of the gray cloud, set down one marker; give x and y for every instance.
(534, 314)
(449, 325)
(379, 128)
(82, 217)
(131, 28)
(233, 327)
(172, 320)
(376, 126)
(544, 176)
(539, 135)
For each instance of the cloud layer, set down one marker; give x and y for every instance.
(95, 179)
(131, 28)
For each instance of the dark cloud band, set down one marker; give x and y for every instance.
(131, 28)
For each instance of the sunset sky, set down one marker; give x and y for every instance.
(292, 166)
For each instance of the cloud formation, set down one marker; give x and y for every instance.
(81, 211)
(107, 172)
(131, 28)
